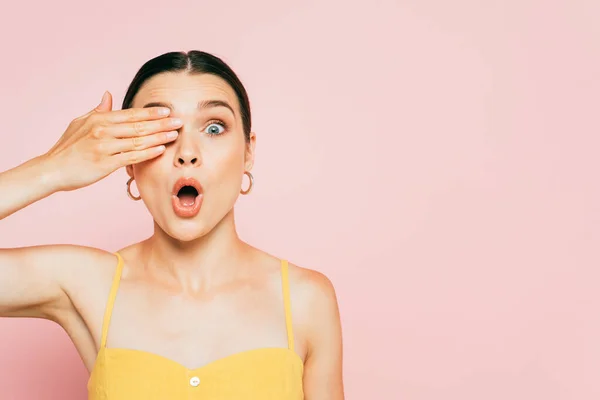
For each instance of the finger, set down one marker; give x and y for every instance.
(140, 142)
(137, 156)
(106, 103)
(136, 114)
(104, 106)
(143, 128)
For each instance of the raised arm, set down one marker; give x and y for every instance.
(33, 280)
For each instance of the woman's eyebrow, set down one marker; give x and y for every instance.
(201, 104)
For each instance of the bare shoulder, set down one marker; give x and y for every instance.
(65, 253)
(78, 269)
(311, 287)
(70, 257)
(87, 262)
(41, 280)
(63, 261)
(314, 307)
(317, 320)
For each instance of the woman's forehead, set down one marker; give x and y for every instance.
(183, 90)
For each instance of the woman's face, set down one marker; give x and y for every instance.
(210, 148)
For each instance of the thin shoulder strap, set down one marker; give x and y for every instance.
(111, 300)
(287, 303)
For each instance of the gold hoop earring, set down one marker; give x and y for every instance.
(131, 196)
(251, 183)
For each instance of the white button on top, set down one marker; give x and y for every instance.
(194, 381)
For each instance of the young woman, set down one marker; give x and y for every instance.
(192, 312)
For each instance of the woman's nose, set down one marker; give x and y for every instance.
(188, 150)
(185, 160)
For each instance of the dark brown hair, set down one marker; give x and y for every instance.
(193, 62)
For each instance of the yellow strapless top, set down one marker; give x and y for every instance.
(264, 373)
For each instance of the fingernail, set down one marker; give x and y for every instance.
(164, 111)
(172, 134)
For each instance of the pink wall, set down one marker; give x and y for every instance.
(438, 160)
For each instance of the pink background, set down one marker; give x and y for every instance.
(438, 160)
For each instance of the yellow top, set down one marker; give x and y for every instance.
(264, 373)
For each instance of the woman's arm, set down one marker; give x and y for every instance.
(26, 184)
(33, 280)
(27, 288)
(323, 366)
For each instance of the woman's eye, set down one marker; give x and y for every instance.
(215, 129)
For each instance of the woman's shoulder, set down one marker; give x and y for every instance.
(315, 310)
(81, 274)
(313, 296)
(306, 284)
(310, 289)
(71, 257)
(311, 284)
(82, 264)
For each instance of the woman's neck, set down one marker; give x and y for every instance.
(211, 260)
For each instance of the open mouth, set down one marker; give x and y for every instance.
(187, 197)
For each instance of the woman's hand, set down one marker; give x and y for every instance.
(102, 141)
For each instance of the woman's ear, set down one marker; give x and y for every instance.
(129, 170)
(249, 156)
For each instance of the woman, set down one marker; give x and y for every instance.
(192, 311)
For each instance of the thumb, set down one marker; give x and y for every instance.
(106, 103)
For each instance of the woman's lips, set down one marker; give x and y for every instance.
(186, 211)
(186, 205)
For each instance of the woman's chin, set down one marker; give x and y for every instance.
(186, 230)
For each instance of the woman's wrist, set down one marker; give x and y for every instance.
(27, 183)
